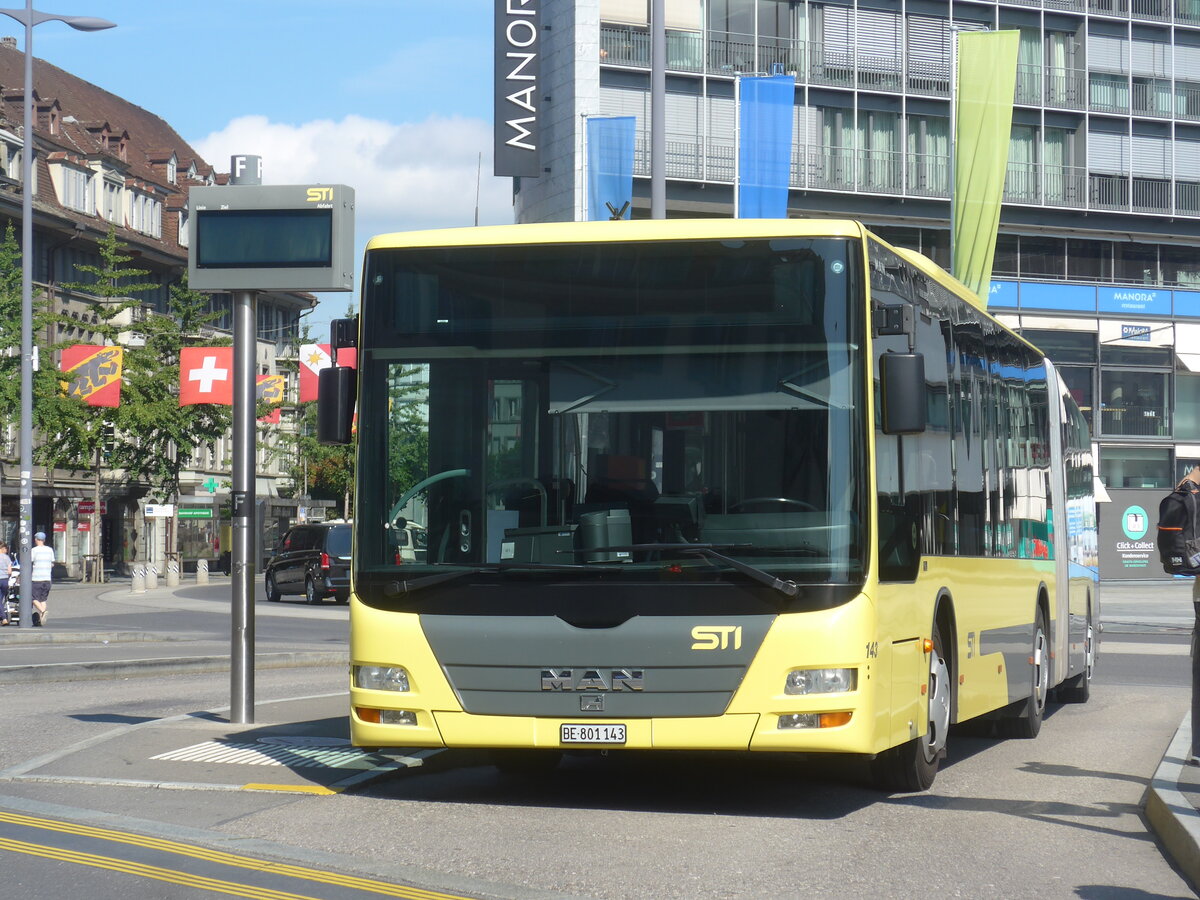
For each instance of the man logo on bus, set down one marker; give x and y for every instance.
(717, 637)
(1135, 523)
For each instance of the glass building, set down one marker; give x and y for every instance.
(1098, 259)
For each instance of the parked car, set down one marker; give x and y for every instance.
(313, 560)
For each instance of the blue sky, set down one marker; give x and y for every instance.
(392, 97)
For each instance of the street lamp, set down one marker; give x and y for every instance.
(30, 17)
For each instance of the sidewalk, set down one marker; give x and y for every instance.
(107, 630)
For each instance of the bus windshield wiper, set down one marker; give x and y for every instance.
(711, 551)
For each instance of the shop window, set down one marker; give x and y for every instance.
(1136, 467)
(1043, 257)
(1080, 381)
(1064, 346)
(1089, 260)
(1134, 403)
(1136, 263)
(1187, 407)
(1134, 356)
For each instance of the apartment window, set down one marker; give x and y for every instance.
(78, 190)
(184, 226)
(172, 170)
(112, 201)
(145, 214)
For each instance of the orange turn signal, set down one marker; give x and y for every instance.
(927, 645)
(366, 714)
(834, 719)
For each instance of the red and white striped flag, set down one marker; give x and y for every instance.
(314, 358)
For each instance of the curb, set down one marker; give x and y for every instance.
(50, 636)
(184, 665)
(1171, 815)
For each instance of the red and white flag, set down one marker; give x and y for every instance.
(314, 358)
(206, 375)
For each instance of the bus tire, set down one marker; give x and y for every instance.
(526, 762)
(1079, 688)
(1024, 719)
(913, 765)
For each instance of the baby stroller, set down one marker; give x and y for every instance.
(12, 599)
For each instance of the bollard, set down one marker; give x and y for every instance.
(151, 577)
(202, 571)
(139, 580)
(173, 573)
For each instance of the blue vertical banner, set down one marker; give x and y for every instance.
(610, 167)
(764, 161)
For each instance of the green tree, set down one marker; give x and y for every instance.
(45, 377)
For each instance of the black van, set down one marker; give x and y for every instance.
(313, 560)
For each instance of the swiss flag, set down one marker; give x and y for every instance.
(206, 375)
(314, 358)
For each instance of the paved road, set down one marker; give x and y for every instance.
(1054, 817)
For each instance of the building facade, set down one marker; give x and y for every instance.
(1098, 258)
(102, 162)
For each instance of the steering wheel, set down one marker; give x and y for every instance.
(787, 501)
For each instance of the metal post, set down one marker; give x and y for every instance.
(242, 634)
(658, 110)
(1194, 756)
(26, 441)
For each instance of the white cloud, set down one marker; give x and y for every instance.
(405, 176)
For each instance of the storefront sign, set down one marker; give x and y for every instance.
(60, 525)
(1127, 536)
(1128, 299)
(195, 512)
(1135, 333)
(86, 507)
(160, 510)
(517, 143)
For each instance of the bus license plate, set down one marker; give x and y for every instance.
(592, 734)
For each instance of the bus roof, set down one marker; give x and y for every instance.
(635, 230)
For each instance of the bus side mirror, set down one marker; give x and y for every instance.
(902, 383)
(335, 404)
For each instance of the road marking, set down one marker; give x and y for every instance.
(197, 852)
(261, 754)
(1143, 649)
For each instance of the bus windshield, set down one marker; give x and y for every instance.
(569, 408)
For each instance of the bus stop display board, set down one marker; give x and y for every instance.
(271, 238)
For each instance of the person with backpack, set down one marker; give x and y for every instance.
(1179, 551)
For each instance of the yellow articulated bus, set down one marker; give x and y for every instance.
(705, 485)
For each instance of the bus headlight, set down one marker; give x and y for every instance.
(381, 678)
(821, 681)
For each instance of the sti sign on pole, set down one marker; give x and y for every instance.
(247, 237)
(518, 138)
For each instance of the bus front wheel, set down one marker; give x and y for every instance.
(912, 766)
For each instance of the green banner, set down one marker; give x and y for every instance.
(195, 512)
(984, 85)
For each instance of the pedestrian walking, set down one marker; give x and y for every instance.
(41, 559)
(5, 575)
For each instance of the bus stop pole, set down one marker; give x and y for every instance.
(241, 652)
(1194, 754)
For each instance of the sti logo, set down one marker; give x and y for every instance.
(320, 195)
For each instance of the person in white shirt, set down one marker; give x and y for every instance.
(41, 561)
